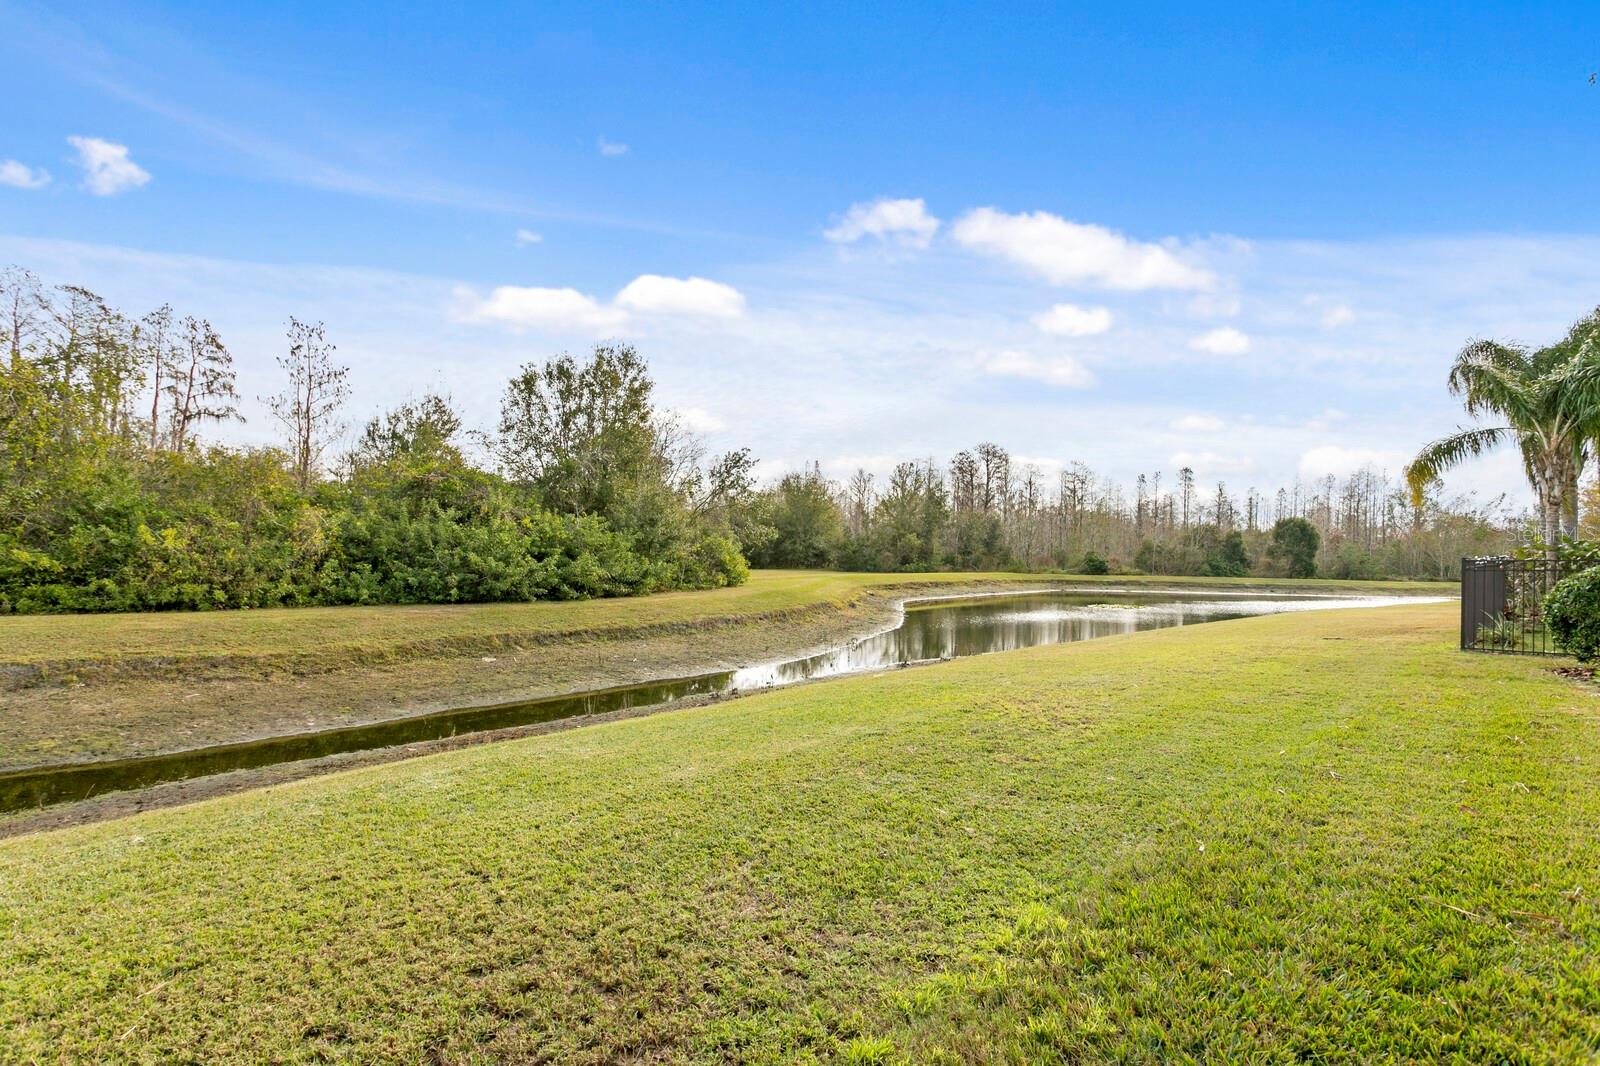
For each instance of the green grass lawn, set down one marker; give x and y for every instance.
(1324, 836)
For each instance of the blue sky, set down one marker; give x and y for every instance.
(1247, 240)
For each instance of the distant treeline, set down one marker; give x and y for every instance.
(109, 501)
(986, 511)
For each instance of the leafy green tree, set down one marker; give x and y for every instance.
(908, 521)
(1229, 559)
(805, 520)
(1548, 401)
(1294, 546)
(420, 435)
(583, 433)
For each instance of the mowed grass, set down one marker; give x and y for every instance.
(1313, 837)
(342, 634)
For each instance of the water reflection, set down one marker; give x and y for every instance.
(939, 629)
(978, 626)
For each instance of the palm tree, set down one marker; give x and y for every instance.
(1549, 403)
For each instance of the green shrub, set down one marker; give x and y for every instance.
(1572, 612)
(1094, 564)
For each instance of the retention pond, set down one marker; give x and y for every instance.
(928, 630)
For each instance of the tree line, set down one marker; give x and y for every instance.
(983, 510)
(111, 499)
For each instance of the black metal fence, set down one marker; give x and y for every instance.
(1502, 605)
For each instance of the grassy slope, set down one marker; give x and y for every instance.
(1325, 836)
(114, 686)
(342, 633)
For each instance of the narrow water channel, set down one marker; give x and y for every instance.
(929, 630)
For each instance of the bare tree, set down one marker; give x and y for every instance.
(860, 495)
(201, 389)
(153, 336)
(308, 409)
(20, 301)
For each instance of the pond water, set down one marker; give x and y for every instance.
(928, 630)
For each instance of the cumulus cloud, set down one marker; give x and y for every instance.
(903, 222)
(1336, 316)
(107, 167)
(523, 307)
(1062, 371)
(610, 149)
(19, 176)
(1224, 341)
(1197, 424)
(1070, 320)
(1332, 459)
(1073, 253)
(567, 309)
(681, 296)
(528, 236)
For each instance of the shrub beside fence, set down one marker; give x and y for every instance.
(1502, 604)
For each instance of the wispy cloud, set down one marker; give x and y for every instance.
(1062, 371)
(1337, 315)
(905, 223)
(610, 149)
(1198, 424)
(1341, 461)
(263, 155)
(1224, 341)
(528, 236)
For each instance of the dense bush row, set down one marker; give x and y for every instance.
(226, 529)
(108, 503)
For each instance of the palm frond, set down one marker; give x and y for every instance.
(1450, 451)
(1491, 377)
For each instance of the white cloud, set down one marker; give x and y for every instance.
(1332, 459)
(610, 148)
(1211, 464)
(1070, 320)
(107, 167)
(903, 222)
(19, 176)
(1072, 253)
(1336, 316)
(889, 351)
(682, 296)
(1060, 370)
(1197, 424)
(699, 420)
(1224, 341)
(528, 236)
(537, 308)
